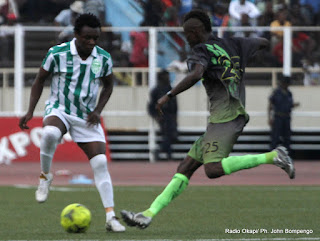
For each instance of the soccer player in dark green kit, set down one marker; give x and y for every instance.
(220, 64)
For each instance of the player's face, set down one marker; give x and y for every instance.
(87, 39)
(192, 32)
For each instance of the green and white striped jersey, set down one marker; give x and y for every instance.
(75, 82)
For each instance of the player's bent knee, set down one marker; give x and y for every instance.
(188, 166)
(214, 174)
(51, 134)
(99, 162)
(213, 170)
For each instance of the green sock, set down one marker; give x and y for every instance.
(235, 163)
(178, 183)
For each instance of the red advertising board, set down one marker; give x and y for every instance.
(23, 146)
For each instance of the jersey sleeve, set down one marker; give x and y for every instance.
(107, 67)
(249, 46)
(48, 62)
(199, 55)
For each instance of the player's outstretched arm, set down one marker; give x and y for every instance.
(36, 91)
(193, 77)
(94, 116)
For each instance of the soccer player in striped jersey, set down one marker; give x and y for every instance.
(220, 64)
(77, 68)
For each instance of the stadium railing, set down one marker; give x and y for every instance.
(148, 74)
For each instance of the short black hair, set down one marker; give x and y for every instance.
(200, 15)
(86, 19)
(285, 79)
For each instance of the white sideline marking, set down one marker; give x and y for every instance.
(59, 189)
(261, 239)
(242, 239)
(151, 188)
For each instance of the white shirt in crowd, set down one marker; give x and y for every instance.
(236, 9)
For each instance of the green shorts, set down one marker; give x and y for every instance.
(217, 142)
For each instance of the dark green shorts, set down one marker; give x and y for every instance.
(217, 142)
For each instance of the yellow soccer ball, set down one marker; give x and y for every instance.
(75, 218)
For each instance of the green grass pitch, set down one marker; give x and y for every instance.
(200, 213)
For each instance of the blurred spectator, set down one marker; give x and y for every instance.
(310, 9)
(40, 11)
(121, 60)
(220, 17)
(8, 17)
(280, 21)
(170, 19)
(268, 15)
(266, 19)
(239, 7)
(311, 69)
(261, 4)
(7, 40)
(297, 18)
(183, 6)
(206, 5)
(152, 12)
(245, 23)
(179, 67)
(3, 11)
(8, 7)
(139, 53)
(168, 121)
(97, 8)
(168, 4)
(302, 47)
(280, 5)
(279, 112)
(67, 18)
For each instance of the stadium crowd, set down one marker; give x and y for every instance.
(170, 13)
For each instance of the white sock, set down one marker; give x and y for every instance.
(110, 215)
(102, 179)
(51, 136)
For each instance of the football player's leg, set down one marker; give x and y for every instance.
(52, 132)
(95, 152)
(278, 157)
(218, 143)
(176, 186)
(51, 136)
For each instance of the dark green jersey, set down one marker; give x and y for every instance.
(224, 61)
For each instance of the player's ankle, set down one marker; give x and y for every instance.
(44, 175)
(148, 213)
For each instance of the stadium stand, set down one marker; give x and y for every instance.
(128, 145)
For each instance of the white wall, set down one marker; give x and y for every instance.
(194, 99)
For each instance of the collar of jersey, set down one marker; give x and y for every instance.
(74, 51)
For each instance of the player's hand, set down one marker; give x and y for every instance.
(164, 99)
(93, 118)
(24, 120)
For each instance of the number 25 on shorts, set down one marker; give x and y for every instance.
(211, 147)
